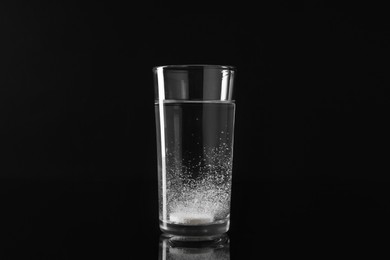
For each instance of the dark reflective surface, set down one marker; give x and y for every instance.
(95, 219)
(171, 248)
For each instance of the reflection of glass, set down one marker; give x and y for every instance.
(174, 250)
(195, 122)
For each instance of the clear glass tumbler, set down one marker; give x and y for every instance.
(195, 114)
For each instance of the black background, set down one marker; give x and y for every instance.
(78, 173)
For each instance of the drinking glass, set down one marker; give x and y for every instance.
(194, 110)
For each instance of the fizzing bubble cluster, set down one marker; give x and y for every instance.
(198, 189)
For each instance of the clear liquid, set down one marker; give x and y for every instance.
(195, 152)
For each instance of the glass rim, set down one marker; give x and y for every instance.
(194, 66)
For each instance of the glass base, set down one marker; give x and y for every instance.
(195, 232)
